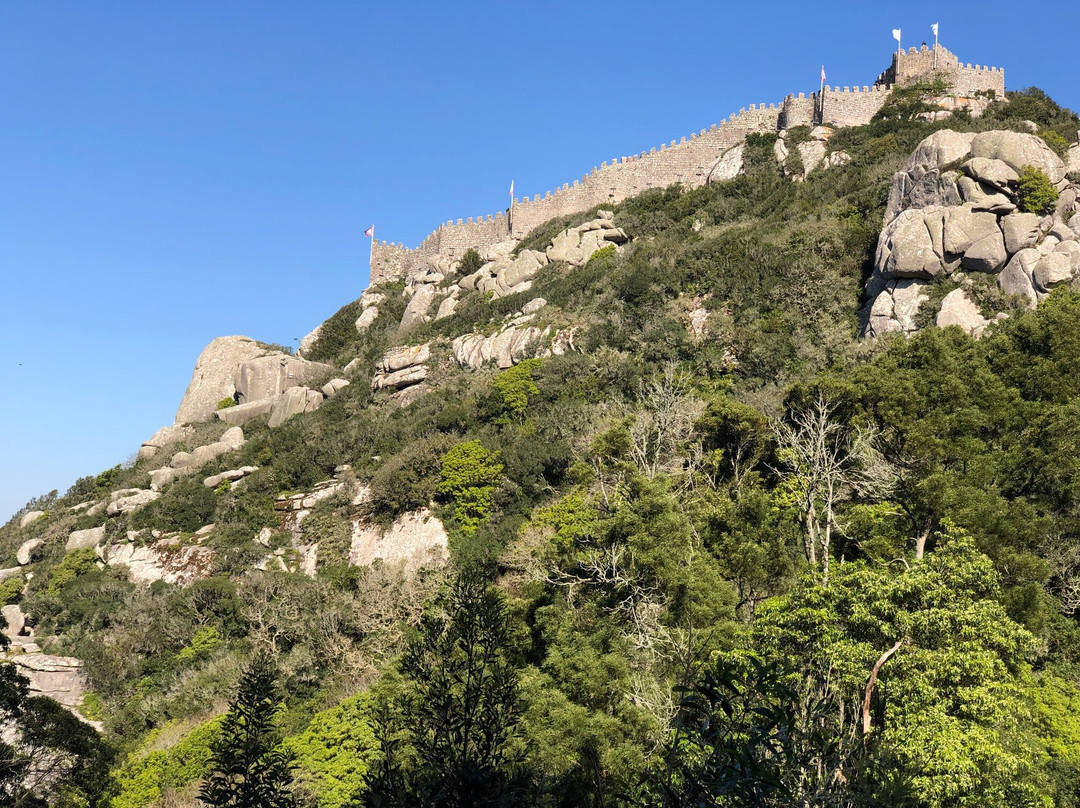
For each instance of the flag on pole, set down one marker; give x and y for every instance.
(823, 74)
(896, 35)
(370, 232)
(934, 28)
(511, 189)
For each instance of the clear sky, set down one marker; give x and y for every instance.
(175, 171)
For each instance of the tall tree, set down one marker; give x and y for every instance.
(448, 743)
(249, 767)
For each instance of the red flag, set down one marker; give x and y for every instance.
(370, 232)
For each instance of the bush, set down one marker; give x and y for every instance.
(1055, 141)
(225, 403)
(470, 262)
(467, 482)
(1035, 192)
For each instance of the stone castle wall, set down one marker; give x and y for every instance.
(687, 162)
(963, 79)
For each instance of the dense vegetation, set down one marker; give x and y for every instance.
(760, 564)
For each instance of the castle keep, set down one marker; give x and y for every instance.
(690, 161)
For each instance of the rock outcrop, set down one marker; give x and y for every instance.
(164, 560)
(402, 367)
(30, 517)
(240, 368)
(953, 209)
(295, 401)
(212, 379)
(59, 678)
(184, 463)
(85, 539)
(415, 540)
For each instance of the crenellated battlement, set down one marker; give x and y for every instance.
(687, 161)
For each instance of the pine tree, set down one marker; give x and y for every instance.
(249, 769)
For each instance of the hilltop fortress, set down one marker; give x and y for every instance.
(691, 160)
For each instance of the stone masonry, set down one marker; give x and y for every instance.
(688, 161)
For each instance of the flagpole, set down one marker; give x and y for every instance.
(935, 45)
(510, 219)
(371, 250)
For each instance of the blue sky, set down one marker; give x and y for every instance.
(175, 171)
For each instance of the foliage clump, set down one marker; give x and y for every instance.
(1035, 192)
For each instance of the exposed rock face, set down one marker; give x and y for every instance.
(83, 539)
(415, 539)
(242, 413)
(59, 678)
(295, 401)
(212, 379)
(941, 221)
(369, 304)
(233, 476)
(895, 307)
(957, 309)
(162, 438)
(333, 387)
(163, 560)
(237, 367)
(270, 376)
(729, 166)
(129, 500)
(309, 340)
(402, 367)
(30, 517)
(505, 348)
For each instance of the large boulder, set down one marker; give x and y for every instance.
(271, 375)
(212, 380)
(295, 401)
(416, 312)
(1021, 230)
(25, 554)
(1018, 277)
(242, 413)
(59, 678)
(906, 247)
(84, 539)
(957, 309)
(1018, 149)
(30, 517)
(130, 501)
(162, 561)
(895, 307)
(162, 438)
(729, 166)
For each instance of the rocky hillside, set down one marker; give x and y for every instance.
(676, 497)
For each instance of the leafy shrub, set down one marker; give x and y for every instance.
(225, 403)
(470, 262)
(332, 755)
(467, 482)
(407, 481)
(1055, 141)
(1035, 193)
(206, 639)
(74, 565)
(516, 384)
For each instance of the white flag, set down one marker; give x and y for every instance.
(896, 34)
(511, 188)
(934, 28)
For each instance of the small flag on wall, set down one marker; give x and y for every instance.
(370, 232)
(896, 34)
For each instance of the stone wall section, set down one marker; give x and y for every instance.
(964, 79)
(687, 162)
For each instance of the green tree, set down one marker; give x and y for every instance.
(49, 756)
(467, 482)
(249, 767)
(1035, 193)
(449, 741)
